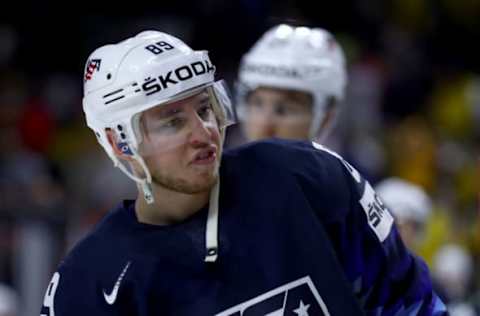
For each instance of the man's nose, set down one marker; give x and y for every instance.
(266, 124)
(200, 133)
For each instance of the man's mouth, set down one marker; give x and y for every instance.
(205, 156)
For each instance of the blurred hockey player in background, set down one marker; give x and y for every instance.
(290, 84)
(452, 272)
(411, 207)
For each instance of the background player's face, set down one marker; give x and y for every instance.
(411, 233)
(273, 112)
(181, 144)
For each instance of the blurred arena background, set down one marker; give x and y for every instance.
(412, 111)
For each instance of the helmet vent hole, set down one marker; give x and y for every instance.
(109, 76)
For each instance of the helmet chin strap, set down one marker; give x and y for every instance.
(319, 108)
(211, 231)
(146, 183)
(325, 117)
(147, 192)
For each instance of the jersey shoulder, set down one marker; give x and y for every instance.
(286, 155)
(98, 242)
(88, 267)
(285, 166)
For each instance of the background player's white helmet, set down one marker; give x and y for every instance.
(295, 58)
(122, 80)
(453, 269)
(406, 200)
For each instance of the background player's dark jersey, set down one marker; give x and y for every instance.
(300, 233)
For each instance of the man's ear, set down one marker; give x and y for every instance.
(120, 149)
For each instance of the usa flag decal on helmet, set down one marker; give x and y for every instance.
(92, 66)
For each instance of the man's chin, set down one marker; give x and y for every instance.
(199, 187)
(204, 184)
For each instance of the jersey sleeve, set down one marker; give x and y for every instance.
(386, 278)
(68, 294)
(73, 291)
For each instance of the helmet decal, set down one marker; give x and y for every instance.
(92, 66)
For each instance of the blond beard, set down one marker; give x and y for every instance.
(183, 186)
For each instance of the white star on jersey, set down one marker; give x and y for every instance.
(302, 309)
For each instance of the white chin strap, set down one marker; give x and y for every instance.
(318, 132)
(211, 233)
(146, 183)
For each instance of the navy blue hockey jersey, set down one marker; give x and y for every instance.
(300, 233)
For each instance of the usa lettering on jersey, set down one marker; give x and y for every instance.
(297, 298)
(379, 218)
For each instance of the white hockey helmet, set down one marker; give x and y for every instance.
(453, 268)
(122, 80)
(295, 58)
(406, 200)
(9, 300)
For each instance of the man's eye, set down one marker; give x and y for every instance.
(204, 112)
(174, 122)
(281, 109)
(256, 103)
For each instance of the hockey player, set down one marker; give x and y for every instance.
(290, 83)
(238, 233)
(410, 206)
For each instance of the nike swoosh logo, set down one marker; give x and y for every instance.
(112, 297)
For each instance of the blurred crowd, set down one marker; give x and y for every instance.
(412, 111)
